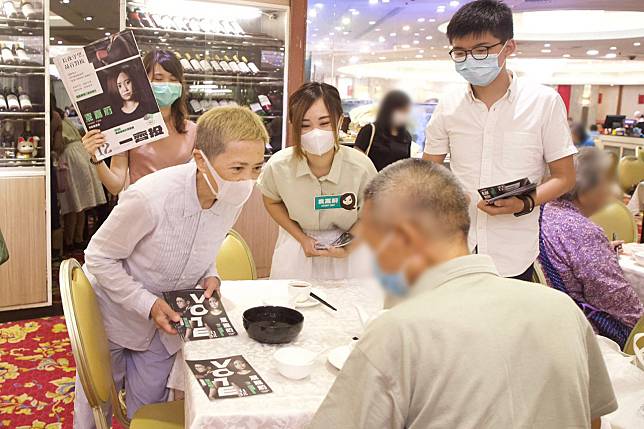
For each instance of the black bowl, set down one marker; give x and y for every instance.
(273, 325)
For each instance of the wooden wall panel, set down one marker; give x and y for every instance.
(23, 279)
(260, 232)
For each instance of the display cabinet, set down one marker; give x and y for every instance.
(25, 280)
(232, 53)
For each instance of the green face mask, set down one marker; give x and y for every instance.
(166, 92)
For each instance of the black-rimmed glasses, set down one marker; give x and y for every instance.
(478, 53)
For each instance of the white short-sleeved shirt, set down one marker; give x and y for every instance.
(318, 204)
(517, 137)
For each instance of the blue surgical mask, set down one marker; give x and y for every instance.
(394, 283)
(480, 72)
(166, 92)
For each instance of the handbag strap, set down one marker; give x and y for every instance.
(373, 134)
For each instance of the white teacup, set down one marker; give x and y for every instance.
(299, 291)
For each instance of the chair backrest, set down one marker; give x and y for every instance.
(638, 329)
(630, 172)
(235, 260)
(88, 340)
(617, 219)
(538, 276)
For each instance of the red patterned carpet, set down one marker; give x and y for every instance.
(37, 372)
(36, 375)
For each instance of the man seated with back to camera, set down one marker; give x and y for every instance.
(465, 348)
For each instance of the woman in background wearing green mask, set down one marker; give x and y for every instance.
(166, 75)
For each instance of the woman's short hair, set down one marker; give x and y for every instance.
(222, 125)
(302, 100)
(171, 64)
(591, 167)
(112, 84)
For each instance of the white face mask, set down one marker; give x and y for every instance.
(233, 193)
(318, 142)
(399, 119)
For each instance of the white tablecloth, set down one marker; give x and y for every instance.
(634, 273)
(292, 403)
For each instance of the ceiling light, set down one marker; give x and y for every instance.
(422, 51)
(373, 1)
(546, 45)
(346, 20)
(513, 55)
(592, 52)
(345, 32)
(385, 1)
(428, 38)
(330, 34)
(416, 34)
(319, 5)
(60, 42)
(610, 55)
(566, 55)
(65, 1)
(376, 29)
(613, 48)
(89, 18)
(338, 28)
(432, 20)
(445, 46)
(313, 13)
(415, 42)
(406, 28)
(454, 3)
(372, 22)
(354, 60)
(636, 44)
(546, 51)
(51, 38)
(404, 46)
(419, 56)
(355, 12)
(100, 28)
(421, 20)
(382, 58)
(440, 9)
(381, 39)
(392, 34)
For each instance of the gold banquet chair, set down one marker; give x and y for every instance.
(538, 276)
(616, 219)
(630, 171)
(638, 329)
(235, 260)
(93, 361)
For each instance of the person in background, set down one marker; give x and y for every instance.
(84, 190)
(498, 129)
(577, 257)
(56, 135)
(164, 235)
(169, 87)
(387, 140)
(580, 137)
(594, 131)
(536, 363)
(313, 190)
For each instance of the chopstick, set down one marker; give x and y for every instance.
(323, 301)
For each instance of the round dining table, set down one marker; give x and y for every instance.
(292, 403)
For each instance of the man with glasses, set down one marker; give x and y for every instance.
(498, 129)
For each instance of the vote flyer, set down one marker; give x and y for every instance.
(228, 377)
(201, 318)
(107, 84)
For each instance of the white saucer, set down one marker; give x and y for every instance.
(339, 355)
(312, 302)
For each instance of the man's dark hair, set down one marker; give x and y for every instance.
(593, 127)
(482, 16)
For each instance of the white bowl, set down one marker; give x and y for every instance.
(639, 257)
(294, 362)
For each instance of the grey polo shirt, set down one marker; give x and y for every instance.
(470, 349)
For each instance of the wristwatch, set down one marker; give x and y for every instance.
(91, 159)
(528, 205)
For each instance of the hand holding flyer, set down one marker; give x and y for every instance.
(108, 85)
(507, 190)
(201, 318)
